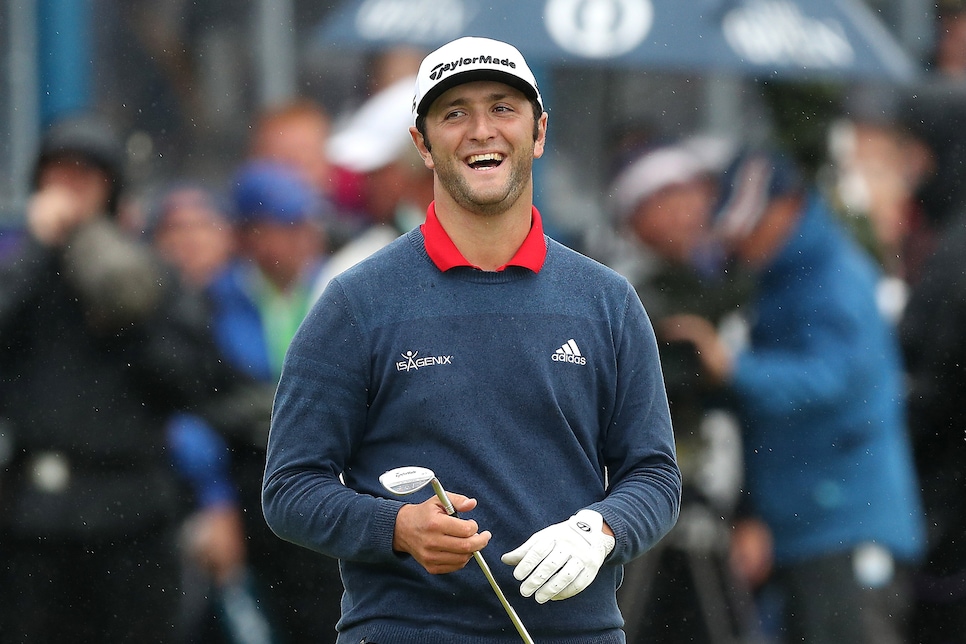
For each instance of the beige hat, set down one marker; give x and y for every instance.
(668, 165)
(651, 173)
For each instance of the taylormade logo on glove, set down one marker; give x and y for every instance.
(561, 560)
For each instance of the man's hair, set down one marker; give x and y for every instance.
(537, 113)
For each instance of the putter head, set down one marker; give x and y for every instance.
(406, 480)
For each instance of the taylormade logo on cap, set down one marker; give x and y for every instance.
(468, 59)
(437, 72)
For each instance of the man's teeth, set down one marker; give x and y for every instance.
(493, 157)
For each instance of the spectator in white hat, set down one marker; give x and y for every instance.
(662, 205)
(375, 144)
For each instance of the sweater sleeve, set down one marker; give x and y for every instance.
(320, 410)
(644, 491)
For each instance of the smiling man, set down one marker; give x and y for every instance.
(523, 374)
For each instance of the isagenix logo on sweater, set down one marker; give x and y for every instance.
(411, 361)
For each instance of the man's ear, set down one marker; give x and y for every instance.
(420, 142)
(541, 141)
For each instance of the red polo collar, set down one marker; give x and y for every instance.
(446, 255)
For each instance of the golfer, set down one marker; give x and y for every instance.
(523, 374)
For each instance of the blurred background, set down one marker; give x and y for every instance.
(184, 78)
(264, 148)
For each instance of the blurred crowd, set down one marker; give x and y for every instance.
(810, 329)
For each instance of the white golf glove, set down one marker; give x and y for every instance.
(561, 560)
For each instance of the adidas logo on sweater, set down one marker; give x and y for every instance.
(569, 353)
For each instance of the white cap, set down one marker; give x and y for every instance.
(470, 59)
(377, 133)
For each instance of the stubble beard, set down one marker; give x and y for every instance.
(457, 186)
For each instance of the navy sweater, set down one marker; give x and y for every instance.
(536, 393)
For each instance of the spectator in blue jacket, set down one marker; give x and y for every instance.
(829, 475)
(264, 294)
(257, 303)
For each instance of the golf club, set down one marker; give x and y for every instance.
(406, 480)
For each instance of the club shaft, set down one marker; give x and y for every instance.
(521, 629)
(450, 510)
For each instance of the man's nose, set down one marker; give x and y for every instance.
(481, 127)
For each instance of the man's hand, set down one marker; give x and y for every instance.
(752, 552)
(715, 356)
(439, 542)
(52, 214)
(561, 560)
(215, 538)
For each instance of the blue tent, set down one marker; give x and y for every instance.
(762, 38)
